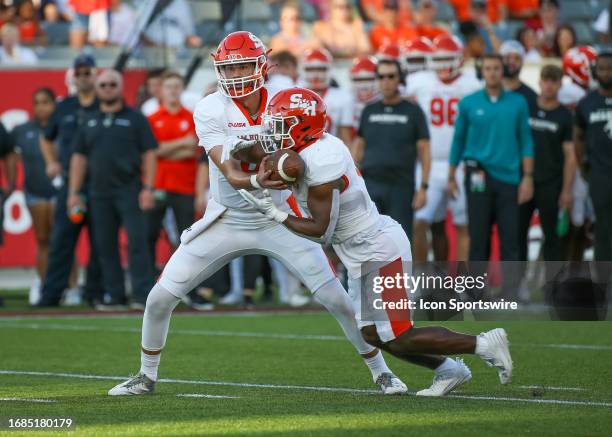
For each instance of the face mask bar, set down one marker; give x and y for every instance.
(317, 76)
(240, 86)
(416, 63)
(444, 62)
(275, 129)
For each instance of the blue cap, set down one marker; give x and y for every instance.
(84, 60)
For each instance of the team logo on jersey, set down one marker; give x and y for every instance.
(309, 106)
(236, 124)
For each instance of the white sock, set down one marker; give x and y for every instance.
(377, 365)
(447, 364)
(481, 344)
(149, 365)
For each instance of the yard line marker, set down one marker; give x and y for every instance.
(304, 387)
(38, 401)
(201, 395)
(270, 335)
(553, 388)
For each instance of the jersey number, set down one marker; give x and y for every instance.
(443, 112)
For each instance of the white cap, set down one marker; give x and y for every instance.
(512, 46)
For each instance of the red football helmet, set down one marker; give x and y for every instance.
(578, 63)
(316, 65)
(447, 58)
(417, 53)
(388, 52)
(294, 118)
(363, 78)
(241, 48)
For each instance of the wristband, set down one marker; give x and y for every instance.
(254, 182)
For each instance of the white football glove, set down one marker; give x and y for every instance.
(264, 205)
(232, 145)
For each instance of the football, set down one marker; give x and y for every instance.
(285, 165)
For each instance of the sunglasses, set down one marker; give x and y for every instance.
(104, 85)
(386, 76)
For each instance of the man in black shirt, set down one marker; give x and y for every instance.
(513, 54)
(555, 165)
(593, 139)
(112, 147)
(56, 147)
(392, 133)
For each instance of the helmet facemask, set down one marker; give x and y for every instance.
(241, 86)
(416, 62)
(276, 132)
(446, 66)
(365, 89)
(317, 77)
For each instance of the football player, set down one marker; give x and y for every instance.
(363, 80)
(227, 121)
(316, 76)
(416, 54)
(341, 212)
(438, 91)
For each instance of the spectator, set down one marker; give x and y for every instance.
(173, 27)
(30, 32)
(115, 148)
(546, 32)
(554, 166)
(392, 133)
(528, 39)
(593, 139)
(82, 10)
(291, 36)
(122, 17)
(56, 147)
(373, 10)
(490, 36)
(343, 34)
(523, 9)
(284, 70)
(12, 53)
(492, 136)
(56, 30)
(474, 43)
(602, 26)
(39, 193)
(175, 177)
(565, 39)
(425, 17)
(513, 54)
(152, 93)
(389, 29)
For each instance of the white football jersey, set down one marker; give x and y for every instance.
(570, 93)
(339, 103)
(216, 118)
(439, 102)
(327, 160)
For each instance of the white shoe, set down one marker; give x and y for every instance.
(390, 384)
(298, 300)
(496, 353)
(139, 384)
(34, 294)
(72, 297)
(231, 298)
(446, 381)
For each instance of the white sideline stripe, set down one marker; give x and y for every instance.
(304, 387)
(201, 395)
(553, 388)
(210, 333)
(38, 401)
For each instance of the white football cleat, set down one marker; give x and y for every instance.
(446, 381)
(231, 298)
(139, 384)
(34, 294)
(390, 384)
(496, 353)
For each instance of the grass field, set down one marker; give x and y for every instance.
(294, 374)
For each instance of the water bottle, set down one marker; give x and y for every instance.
(562, 223)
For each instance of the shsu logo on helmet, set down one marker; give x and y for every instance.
(309, 106)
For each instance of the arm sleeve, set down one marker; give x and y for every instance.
(6, 142)
(362, 118)
(568, 128)
(579, 119)
(524, 131)
(52, 128)
(208, 126)
(460, 134)
(422, 130)
(79, 142)
(146, 139)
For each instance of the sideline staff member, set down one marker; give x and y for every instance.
(392, 132)
(112, 147)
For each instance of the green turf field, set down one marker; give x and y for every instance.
(293, 374)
